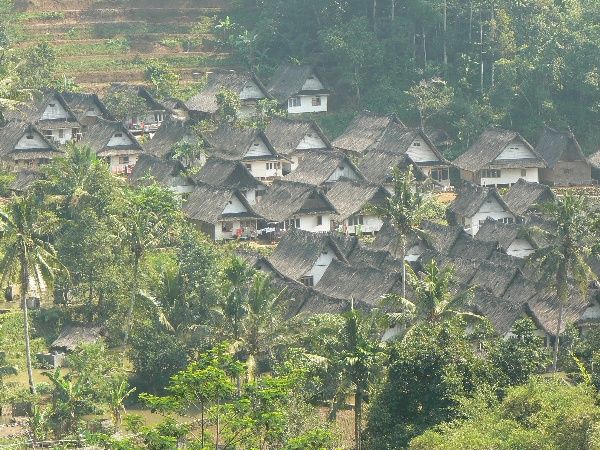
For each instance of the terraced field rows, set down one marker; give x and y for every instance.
(99, 42)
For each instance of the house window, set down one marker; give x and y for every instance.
(249, 167)
(47, 133)
(259, 193)
(307, 281)
(226, 227)
(316, 101)
(61, 133)
(158, 117)
(118, 134)
(568, 171)
(270, 166)
(294, 102)
(440, 174)
(506, 220)
(416, 144)
(355, 220)
(491, 173)
(30, 136)
(319, 220)
(123, 159)
(291, 223)
(523, 172)
(52, 105)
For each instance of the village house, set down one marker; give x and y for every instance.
(24, 180)
(87, 108)
(225, 173)
(250, 146)
(399, 140)
(594, 160)
(171, 137)
(355, 203)
(51, 114)
(378, 168)
(363, 133)
(148, 121)
(523, 197)
(475, 204)
(323, 168)
(299, 89)
(115, 143)
(500, 158)
(168, 173)
(24, 146)
(512, 238)
(290, 135)
(288, 204)
(222, 213)
(304, 256)
(246, 85)
(566, 162)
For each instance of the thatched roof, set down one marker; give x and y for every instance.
(501, 312)
(524, 195)
(82, 103)
(289, 79)
(317, 166)
(502, 233)
(377, 166)
(494, 278)
(365, 285)
(72, 336)
(14, 131)
(24, 179)
(398, 139)
(150, 169)
(298, 251)
(170, 133)
(287, 135)
(555, 146)
(544, 309)
(226, 173)
(207, 203)
(466, 247)
(351, 197)
(32, 111)
(151, 102)
(285, 199)
(363, 132)
(99, 134)
(470, 198)
(206, 100)
(490, 144)
(230, 142)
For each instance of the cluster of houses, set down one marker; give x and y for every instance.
(315, 196)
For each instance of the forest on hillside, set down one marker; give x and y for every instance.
(516, 64)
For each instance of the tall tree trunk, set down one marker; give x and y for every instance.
(445, 39)
(357, 418)
(562, 294)
(202, 424)
(24, 292)
(471, 22)
(374, 16)
(481, 51)
(557, 338)
(404, 266)
(134, 291)
(424, 46)
(393, 15)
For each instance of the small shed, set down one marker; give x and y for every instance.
(73, 336)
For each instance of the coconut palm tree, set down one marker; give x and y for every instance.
(29, 256)
(570, 241)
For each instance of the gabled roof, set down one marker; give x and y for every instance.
(289, 79)
(363, 256)
(99, 134)
(286, 134)
(207, 203)
(365, 285)
(151, 102)
(226, 173)
(490, 144)
(350, 197)
(398, 139)
(24, 180)
(72, 336)
(463, 269)
(364, 131)
(502, 233)
(33, 110)
(230, 142)
(12, 132)
(298, 251)
(285, 199)
(544, 309)
(317, 166)
(555, 146)
(471, 198)
(501, 312)
(80, 103)
(168, 173)
(170, 133)
(465, 247)
(377, 165)
(206, 100)
(496, 279)
(523, 195)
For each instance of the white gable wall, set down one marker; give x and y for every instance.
(312, 83)
(490, 209)
(251, 91)
(420, 151)
(264, 168)
(122, 140)
(520, 248)
(309, 223)
(516, 150)
(311, 141)
(345, 171)
(36, 141)
(258, 148)
(55, 112)
(235, 206)
(321, 265)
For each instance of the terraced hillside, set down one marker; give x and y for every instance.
(103, 41)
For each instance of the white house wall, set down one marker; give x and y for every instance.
(419, 151)
(258, 148)
(235, 206)
(345, 171)
(511, 176)
(312, 83)
(118, 141)
(311, 141)
(491, 209)
(251, 91)
(309, 223)
(36, 141)
(516, 150)
(520, 248)
(116, 167)
(55, 112)
(306, 105)
(321, 265)
(259, 170)
(54, 135)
